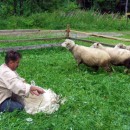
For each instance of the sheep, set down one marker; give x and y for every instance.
(119, 57)
(48, 102)
(91, 57)
(122, 46)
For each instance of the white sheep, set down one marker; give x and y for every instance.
(91, 57)
(48, 102)
(118, 56)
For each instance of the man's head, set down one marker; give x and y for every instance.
(12, 59)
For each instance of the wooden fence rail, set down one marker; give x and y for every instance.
(103, 36)
(89, 41)
(27, 40)
(19, 30)
(4, 49)
(68, 31)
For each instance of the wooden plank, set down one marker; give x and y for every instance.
(89, 41)
(4, 49)
(19, 30)
(27, 40)
(104, 36)
(29, 30)
(85, 33)
(114, 38)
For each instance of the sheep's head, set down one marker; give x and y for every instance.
(69, 44)
(96, 45)
(120, 45)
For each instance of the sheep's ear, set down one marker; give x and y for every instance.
(97, 43)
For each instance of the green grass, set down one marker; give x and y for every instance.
(95, 100)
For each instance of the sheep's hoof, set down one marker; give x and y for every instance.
(126, 71)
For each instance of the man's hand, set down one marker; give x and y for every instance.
(36, 90)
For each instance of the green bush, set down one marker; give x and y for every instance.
(81, 20)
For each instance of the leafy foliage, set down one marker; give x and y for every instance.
(27, 7)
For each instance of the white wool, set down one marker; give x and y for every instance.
(117, 55)
(47, 102)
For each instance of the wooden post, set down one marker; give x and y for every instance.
(126, 10)
(126, 7)
(67, 31)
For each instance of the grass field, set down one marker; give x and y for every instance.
(95, 100)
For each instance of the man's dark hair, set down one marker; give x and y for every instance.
(12, 56)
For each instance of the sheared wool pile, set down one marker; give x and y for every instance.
(47, 102)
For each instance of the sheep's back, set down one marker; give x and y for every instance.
(91, 56)
(117, 55)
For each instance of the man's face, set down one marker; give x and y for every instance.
(13, 65)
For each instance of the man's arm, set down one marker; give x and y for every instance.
(17, 86)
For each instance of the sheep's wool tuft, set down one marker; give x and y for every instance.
(47, 102)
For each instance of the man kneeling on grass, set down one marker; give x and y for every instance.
(12, 86)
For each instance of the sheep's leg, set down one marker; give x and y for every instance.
(78, 60)
(107, 68)
(79, 63)
(95, 68)
(127, 63)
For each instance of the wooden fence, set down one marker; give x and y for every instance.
(68, 35)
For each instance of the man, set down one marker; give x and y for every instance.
(12, 85)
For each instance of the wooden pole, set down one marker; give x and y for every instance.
(126, 10)
(126, 7)
(68, 31)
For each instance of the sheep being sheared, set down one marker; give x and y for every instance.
(91, 57)
(118, 56)
(122, 46)
(48, 102)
